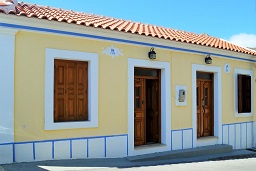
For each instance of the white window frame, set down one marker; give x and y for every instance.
(243, 72)
(92, 60)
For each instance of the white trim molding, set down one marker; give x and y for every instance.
(60, 28)
(217, 102)
(107, 146)
(239, 135)
(244, 72)
(7, 57)
(92, 59)
(165, 106)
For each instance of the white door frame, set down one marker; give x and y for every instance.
(165, 106)
(217, 101)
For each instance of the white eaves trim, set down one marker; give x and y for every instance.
(33, 22)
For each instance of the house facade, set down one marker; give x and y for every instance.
(75, 85)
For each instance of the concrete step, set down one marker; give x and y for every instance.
(235, 154)
(186, 153)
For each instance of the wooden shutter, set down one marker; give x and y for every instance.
(240, 93)
(247, 102)
(70, 91)
(59, 91)
(82, 93)
(244, 93)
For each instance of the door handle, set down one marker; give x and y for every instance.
(203, 102)
(142, 102)
(203, 110)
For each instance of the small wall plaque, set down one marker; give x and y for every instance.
(112, 51)
(227, 68)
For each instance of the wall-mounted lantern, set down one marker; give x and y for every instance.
(208, 59)
(152, 54)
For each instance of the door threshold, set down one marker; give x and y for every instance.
(209, 140)
(147, 146)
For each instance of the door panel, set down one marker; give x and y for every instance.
(199, 103)
(205, 117)
(207, 114)
(139, 112)
(152, 111)
(147, 122)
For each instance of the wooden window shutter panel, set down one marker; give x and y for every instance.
(82, 91)
(71, 94)
(240, 93)
(247, 94)
(59, 91)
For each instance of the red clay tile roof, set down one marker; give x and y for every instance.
(90, 20)
(3, 4)
(8, 2)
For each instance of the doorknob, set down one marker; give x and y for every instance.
(142, 102)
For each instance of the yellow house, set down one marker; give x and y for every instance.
(75, 85)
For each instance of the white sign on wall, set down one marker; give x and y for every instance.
(112, 51)
(227, 68)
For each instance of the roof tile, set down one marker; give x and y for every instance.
(90, 20)
(3, 4)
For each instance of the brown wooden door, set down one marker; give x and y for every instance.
(205, 117)
(139, 112)
(147, 122)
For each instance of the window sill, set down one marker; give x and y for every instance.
(71, 125)
(240, 115)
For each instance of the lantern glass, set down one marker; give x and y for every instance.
(152, 54)
(208, 60)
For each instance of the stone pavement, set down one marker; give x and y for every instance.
(156, 161)
(124, 164)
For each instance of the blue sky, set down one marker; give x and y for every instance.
(233, 20)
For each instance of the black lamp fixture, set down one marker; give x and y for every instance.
(208, 59)
(152, 54)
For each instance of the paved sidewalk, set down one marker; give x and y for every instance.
(124, 164)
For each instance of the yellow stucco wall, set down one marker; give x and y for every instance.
(182, 64)
(113, 81)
